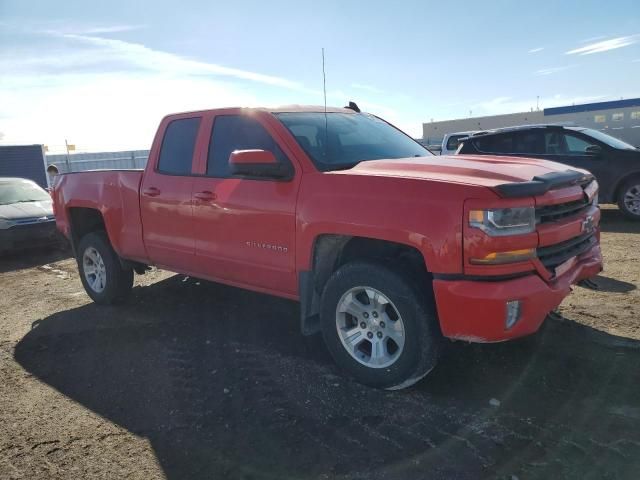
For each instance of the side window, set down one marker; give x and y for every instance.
(495, 144)
(576, 145)
(553, 143)
(528, 142)
(454, 142)
(237, 132)
(176, 153)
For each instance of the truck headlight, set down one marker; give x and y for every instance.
(498, 222)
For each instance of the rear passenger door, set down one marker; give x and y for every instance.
(245, 227)
(165, 197)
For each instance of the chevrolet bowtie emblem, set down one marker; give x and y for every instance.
(587, 224)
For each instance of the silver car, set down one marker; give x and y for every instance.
(26, 215)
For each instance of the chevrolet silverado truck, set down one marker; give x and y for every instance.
(388, 248)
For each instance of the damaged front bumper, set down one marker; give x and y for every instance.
(477, 310)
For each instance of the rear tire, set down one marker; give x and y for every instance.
(395, 349)
(101, 273)
(629, 198)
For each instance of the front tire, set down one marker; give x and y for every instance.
(104, 278)
(378, 327)
(629, 198)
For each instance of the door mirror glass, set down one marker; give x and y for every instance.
(257, 163)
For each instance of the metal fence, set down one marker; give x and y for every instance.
(79, 162)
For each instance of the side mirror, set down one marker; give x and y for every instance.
(593, 150)
(257, 163)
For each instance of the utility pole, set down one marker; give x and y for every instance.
(66, 144)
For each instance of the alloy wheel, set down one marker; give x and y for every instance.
(370, 327)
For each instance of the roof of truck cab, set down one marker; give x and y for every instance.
(519, 128)
(307, 108)
(281, 109)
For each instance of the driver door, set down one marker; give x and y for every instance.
(245, 227)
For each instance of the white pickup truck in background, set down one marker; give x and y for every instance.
(451, 142)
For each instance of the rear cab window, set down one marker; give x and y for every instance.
(178, 145)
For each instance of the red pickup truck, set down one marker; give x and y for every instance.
(388, 248)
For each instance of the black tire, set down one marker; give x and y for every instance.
(627, 186)
(119, 280)
(423, 340)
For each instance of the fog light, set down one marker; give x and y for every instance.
(513, 313)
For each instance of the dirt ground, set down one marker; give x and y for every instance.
(196, 380)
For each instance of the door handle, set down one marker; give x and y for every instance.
(151, 192)
(205, 196)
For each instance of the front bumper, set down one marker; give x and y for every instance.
(28, 236)
(475, 310)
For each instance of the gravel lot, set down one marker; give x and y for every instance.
(196, 380)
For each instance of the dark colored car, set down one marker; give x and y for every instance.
(615, 164)
(26, 215)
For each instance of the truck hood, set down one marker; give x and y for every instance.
(17, 211)
(481, 170)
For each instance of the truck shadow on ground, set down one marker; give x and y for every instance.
(223, 385)
(612, 285)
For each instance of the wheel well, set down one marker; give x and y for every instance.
(83, 221)
(621, 183)
(332, 251)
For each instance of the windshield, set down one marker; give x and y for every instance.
(21, 191)
(608, 139)
(342, 140)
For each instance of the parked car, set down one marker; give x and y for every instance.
(26, 215)
(387, 247)
(451, 142)
(615, 164)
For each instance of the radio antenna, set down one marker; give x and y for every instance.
(324, 91)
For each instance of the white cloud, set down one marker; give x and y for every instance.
(536, 50)
(552, 70)
(108, 94)
(109, 29)
(605, 45)
(593, 39)
(144, 57)
(104, 112)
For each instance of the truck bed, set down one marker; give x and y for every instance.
(115, 193)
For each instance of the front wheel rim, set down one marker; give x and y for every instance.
(95, 273)
(632, 199)
(370, 327)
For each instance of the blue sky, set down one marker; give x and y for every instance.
(103, 73)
